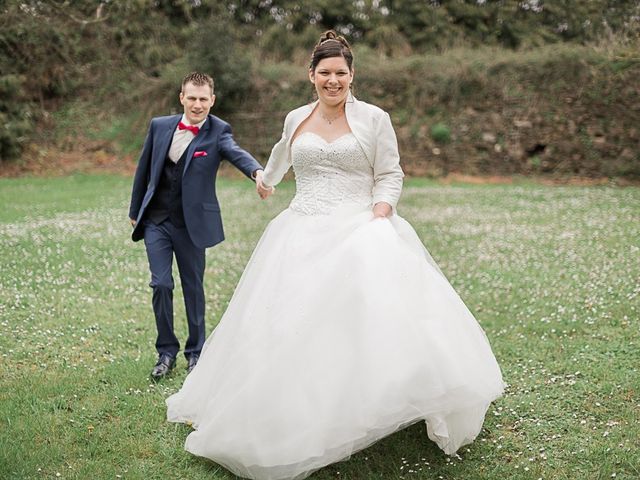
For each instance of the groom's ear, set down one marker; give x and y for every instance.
(213, 99)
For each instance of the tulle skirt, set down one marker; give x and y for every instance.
(341, 331)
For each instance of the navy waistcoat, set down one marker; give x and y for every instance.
(167, 199)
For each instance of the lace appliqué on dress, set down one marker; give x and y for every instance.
(329, 174)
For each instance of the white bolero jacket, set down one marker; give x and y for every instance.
(372, 128)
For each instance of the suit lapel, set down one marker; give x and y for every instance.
(165, 136)
(197, 140)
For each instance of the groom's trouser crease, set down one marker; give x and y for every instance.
(161, 242)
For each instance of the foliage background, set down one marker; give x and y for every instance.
(512, 87)
(482, 87)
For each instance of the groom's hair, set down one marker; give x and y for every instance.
(198, 79)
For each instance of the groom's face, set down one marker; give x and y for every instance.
(197, 100)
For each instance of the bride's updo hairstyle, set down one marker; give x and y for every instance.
(331, 45)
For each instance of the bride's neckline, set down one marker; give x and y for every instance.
(322, 138)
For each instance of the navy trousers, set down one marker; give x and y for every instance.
(162, 241)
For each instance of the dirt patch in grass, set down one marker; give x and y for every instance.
(85, 157)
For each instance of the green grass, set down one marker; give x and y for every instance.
(552, 274)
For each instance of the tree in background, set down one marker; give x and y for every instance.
(53, 51)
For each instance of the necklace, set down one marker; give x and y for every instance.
(330, 120)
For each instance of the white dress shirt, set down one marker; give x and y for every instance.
(181, 140)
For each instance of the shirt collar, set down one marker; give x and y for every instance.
(186, 122)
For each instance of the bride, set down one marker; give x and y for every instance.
(342, 329)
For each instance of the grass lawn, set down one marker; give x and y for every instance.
(552, 274)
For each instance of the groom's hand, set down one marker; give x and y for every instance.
(133, 222)
(261, 188)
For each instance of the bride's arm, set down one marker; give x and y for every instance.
(387, 174)
(279, 161)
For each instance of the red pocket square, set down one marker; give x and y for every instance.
(200, 154)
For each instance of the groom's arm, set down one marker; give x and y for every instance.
(141, 177)
(240, 158)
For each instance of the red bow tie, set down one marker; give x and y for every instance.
(192, 128)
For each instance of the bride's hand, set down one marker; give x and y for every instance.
(382, 210)
(261, 188)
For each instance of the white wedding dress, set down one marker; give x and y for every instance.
(341, 331)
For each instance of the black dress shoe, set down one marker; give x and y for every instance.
(191, 362)
(163, 367)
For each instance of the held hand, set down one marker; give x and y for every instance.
(264, 191)
(382, 210)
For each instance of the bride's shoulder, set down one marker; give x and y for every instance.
(300, 112)
(369, 110)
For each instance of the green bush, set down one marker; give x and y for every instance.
(221, 58)
(15, 117)
(440, 133)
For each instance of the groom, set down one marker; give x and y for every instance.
(175, 210)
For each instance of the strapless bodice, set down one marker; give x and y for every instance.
(329, 174)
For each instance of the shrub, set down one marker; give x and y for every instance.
(229, 65)
(441, 133)
(15, 117)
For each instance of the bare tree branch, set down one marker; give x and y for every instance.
(84, 22)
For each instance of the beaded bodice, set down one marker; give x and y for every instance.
(329, 174)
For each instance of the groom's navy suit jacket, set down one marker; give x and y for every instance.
(200, 204)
